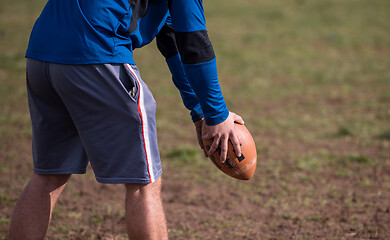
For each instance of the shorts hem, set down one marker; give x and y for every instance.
(127, 180)
(59, 171)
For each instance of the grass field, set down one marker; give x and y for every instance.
(311, 80)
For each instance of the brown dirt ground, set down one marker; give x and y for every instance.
(282, 201)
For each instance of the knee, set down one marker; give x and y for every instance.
(150, 189)
(49, 182)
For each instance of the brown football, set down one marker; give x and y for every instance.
(242, 167)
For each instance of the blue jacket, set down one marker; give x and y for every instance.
(107, 31)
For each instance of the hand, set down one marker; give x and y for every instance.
(221, 134)
(198, 127)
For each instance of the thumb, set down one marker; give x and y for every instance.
(238, 119)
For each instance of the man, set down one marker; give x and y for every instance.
(88, 103)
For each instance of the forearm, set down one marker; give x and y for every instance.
(166, 43)
(203, 78)
(188, 96)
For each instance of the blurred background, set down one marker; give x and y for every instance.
(311, 80)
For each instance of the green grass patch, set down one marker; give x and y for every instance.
(385, 135)
(182, 155)
(97, 220)
(309, 163)
(6, 199)
(316, 219)
(74, 214)
(6, 221)
(361, 159)
(344, 131)
(60, 229)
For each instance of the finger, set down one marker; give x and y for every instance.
(203, 148)
(236, 145)
(199, 136)
(214, 146)
(208, 151)
(205, 152)
(200, 142)
(224, 149)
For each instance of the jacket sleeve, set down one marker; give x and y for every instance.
(166, 43)
(198, 58)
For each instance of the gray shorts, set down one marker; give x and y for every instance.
(103, 114)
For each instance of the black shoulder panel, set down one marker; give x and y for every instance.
(166, 42)
(139, 8)
(194, 47)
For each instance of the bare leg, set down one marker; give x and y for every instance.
(145, 218)
(32, 213)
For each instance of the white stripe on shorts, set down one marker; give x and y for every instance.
(144, 121)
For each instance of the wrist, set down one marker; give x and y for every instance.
(217, 119)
